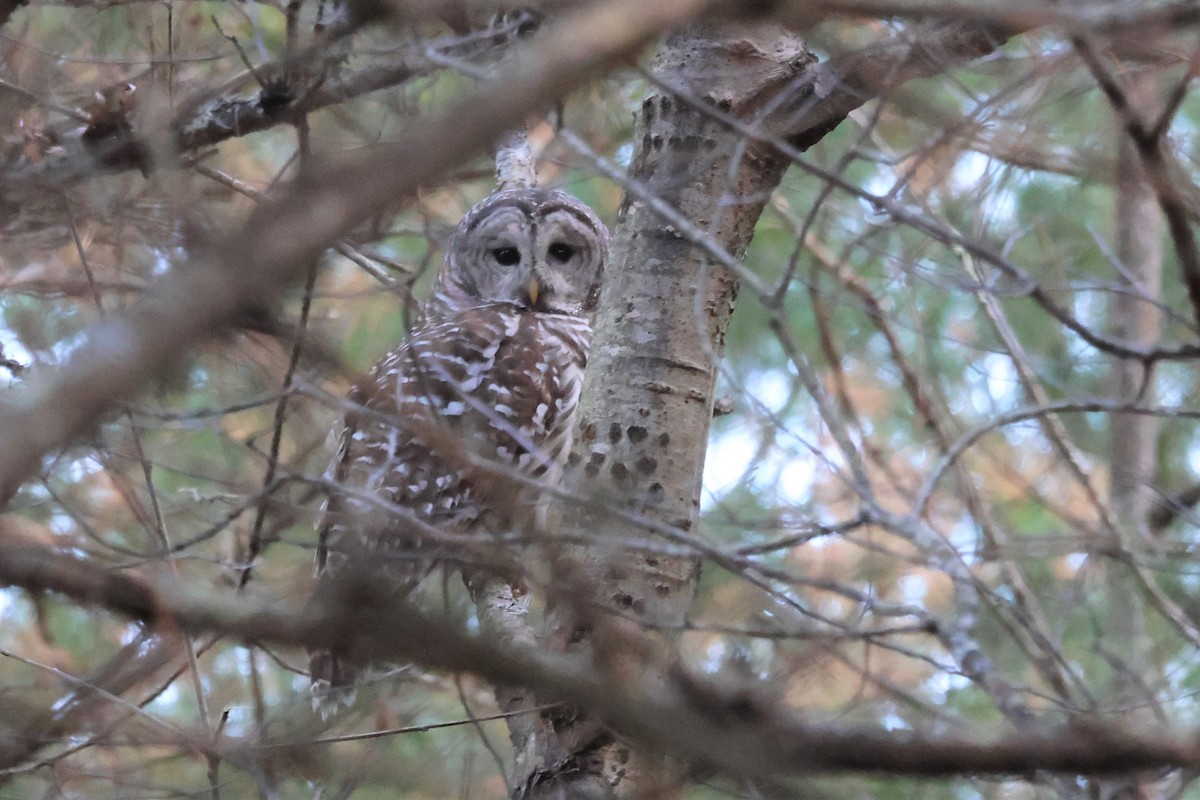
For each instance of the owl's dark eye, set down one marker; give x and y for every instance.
(560, 252)
(506, 256)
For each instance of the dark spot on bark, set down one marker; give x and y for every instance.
(561, 717)
(647, 465)
(579, 634)
(275, 97)
(597, 458)
(683, 523)
(643, 412)
(656, 495)
(621, 475)
(622, 756)
(572, 459)
(588, 434)
(637, 433)
(651, 562)
(623, 600)
(529, 25)
(591, 470)
(664, 440)
(744, 708)
(614, 433)
(662, 590)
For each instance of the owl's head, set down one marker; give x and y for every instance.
(540, 249)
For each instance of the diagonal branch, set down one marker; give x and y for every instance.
(848, 80)
(255, 262)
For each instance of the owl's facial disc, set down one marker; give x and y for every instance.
(538, 249)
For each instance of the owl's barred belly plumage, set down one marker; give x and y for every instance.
(429, 449)
(460, 401)
(451, 438)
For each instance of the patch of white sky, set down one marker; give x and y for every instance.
(624, 154)
(14, 348)
(964, 536)
(734, 456)
(1088, 308)
(1174, 389)
(913, 589)
(757, 652)
(993, 387)
(714, 654)
(942, 682)
(1180, 700)
(892, 721)
(1074, 561)
(786, 471)
(972, 172)
(130, 633)
(993, 384)
(164, 260)
(13, 611)
(179, 701)
(168, 699)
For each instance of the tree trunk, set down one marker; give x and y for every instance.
(647, 405)
(1135, 318)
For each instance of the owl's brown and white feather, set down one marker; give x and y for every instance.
(488, 382)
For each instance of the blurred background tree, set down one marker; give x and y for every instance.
(949, 488)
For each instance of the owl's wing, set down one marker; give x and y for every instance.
(390, 481)
(460, 403)
(436, 430)
(392, 472)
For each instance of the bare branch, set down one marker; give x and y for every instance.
(692, 720)
(256, 262)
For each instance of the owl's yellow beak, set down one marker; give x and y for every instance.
(535, 288)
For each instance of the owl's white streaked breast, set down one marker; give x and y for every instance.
(497, 383)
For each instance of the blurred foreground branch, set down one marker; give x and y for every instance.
(731, 732)
(254, 263)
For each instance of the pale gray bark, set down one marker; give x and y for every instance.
(1135, 318)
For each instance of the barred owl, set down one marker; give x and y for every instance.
(486, 384)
